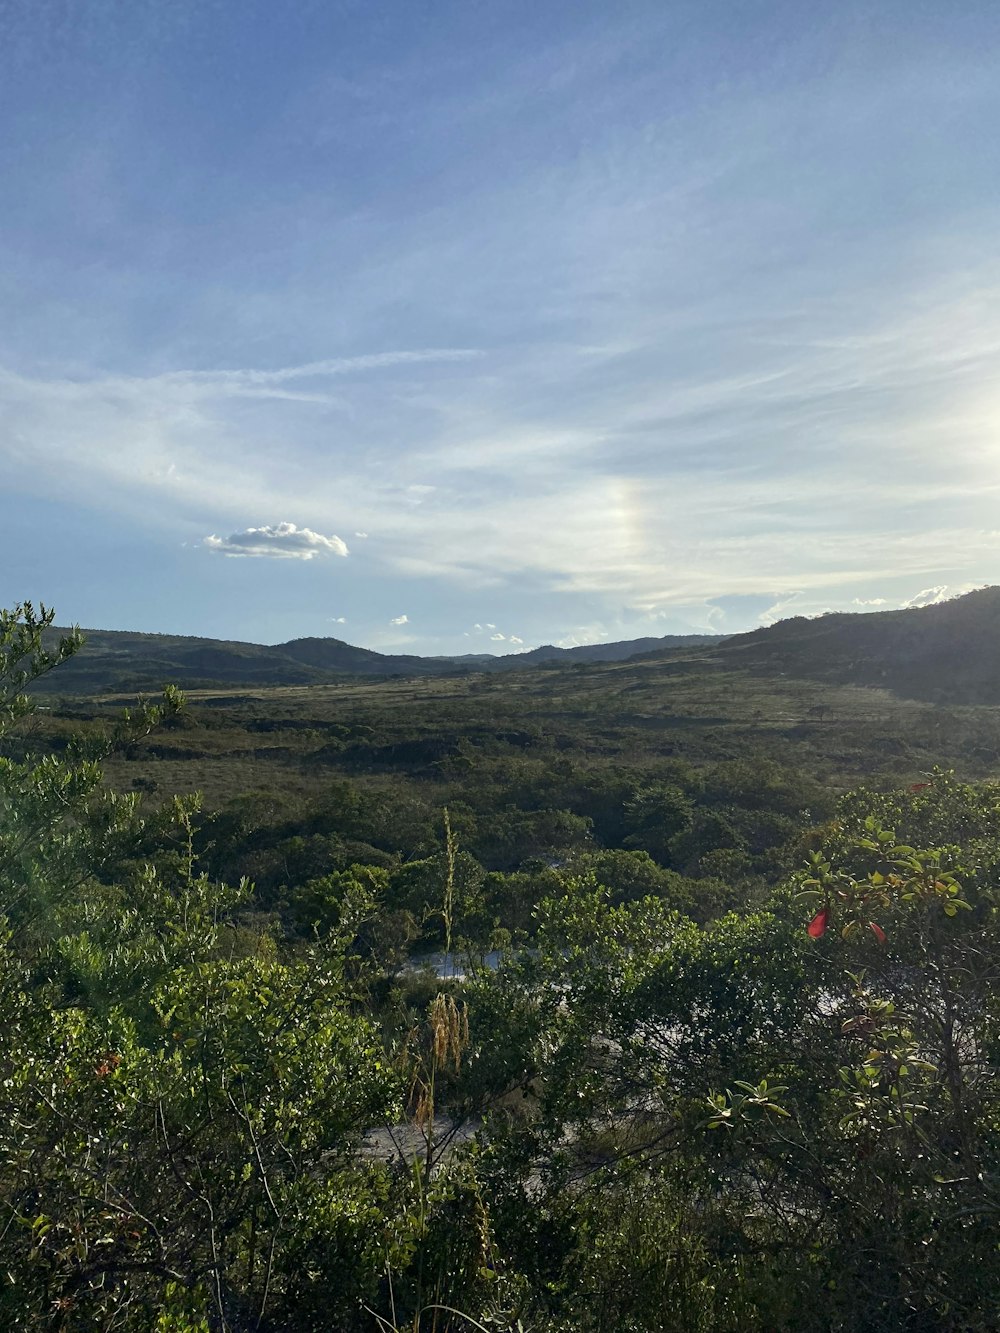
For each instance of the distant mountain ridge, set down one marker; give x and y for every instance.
(604, 652)
(949, 652)
(333, 655)
(124, 660)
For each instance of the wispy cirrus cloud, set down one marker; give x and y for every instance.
(282, 541)
(220, 380)
(592, 475)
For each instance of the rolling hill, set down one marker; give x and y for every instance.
(949, 652)
(120, 660)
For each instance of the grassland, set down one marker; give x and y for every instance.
(636, 714)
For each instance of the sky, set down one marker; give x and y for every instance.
(448, 326)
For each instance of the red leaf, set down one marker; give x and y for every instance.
(919, 786)
(877, 931)
(817, 926)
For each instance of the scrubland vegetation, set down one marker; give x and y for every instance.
(719, 1052)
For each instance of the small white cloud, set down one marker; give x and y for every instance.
(282, 541)
(477, 627)
(362, 535)
(869, 601)
(497, 638)
(400, 620)
(489, 626)
(338, 620)
(927, 597)
(514, 639)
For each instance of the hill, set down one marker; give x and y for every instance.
(948, 653)
(600, 652)
(121, 660)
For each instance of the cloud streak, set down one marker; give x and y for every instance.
(219, 380)
(712, 486)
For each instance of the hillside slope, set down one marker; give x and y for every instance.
(947, 653)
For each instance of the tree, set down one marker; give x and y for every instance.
(811, 1115)
(178, 1126)
(656, 815)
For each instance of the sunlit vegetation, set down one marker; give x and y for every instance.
(715, 1046)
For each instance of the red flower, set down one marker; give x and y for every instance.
(877, 931)
(817, 926)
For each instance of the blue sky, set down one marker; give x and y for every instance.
(446, 325)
